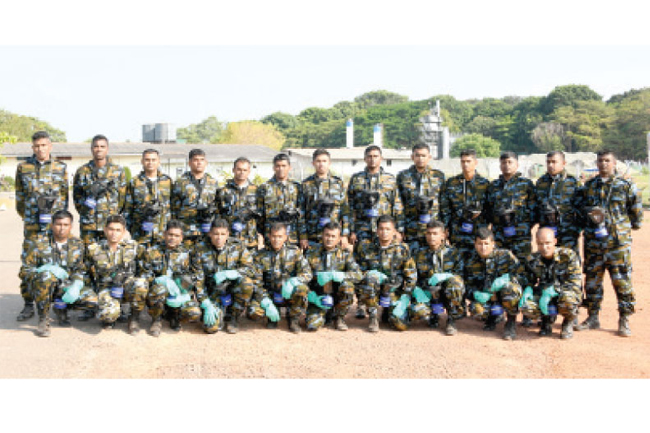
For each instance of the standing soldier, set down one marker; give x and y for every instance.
(463, 203)
(193, 198)
(147, 209)
(280, 200)
(53, 268)
(335, 274)
(237, 204)
(41, 190)
(421, 190)
(324, 201)
(611, 207)
(99, 191)
(390, 277)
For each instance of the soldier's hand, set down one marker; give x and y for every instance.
(304, 244)
(260, 241)
(344, 242)
(353, 238)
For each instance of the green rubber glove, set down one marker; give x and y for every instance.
(170, 285)
(56, 270)
(220, 277)
(547, 294)
(313, 298)
(209, 313)
(499, 283)
(232, 274)
(439, 278)
(400, 306)
(271, 310)
(324, 277)
(44, 268)
(178, 301)
(379, 275)
(526, 296)
(338, 276)
(421, 297)
(72, 292)
(482, 297)
(289, 286)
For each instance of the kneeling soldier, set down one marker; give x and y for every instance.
(335, 274)
(440, 284)
(553, 272)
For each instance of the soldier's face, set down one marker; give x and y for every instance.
(331, 238)
(99, 149)
(321, 164)
(606, 165)
(114, 232)
(555, 164)
(546, 242)
(278, 238)
(42, 149)
(484, 247)
(468, 164)
(150, 162)
(198, 164)
(173, 237)
(61, 229)
(241, 171)
(435, 237)
(281, 169)
(219, 236)
(385, 233)
(421, 158)
(372, 159)
(509, 166)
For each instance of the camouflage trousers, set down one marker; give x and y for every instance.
(241, 294)
(191, 312)
(618, 261)
(296, 305)
(25, 290)
(521, 247)
(567, 303)
(45, 287)
(368, 294)
(135, 293)
(508, 297)
(343, 298)
(451, 295)
(154, 298)
(91, 236)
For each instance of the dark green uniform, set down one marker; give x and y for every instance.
(148, 207)
(280, 202)
(193, 203)
(239, 207)
(324, 200)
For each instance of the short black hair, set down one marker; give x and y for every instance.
(281, 157)
(468, 152)
(435, 224)
(97, 138)
(241, 159)
(332, 225)
(220, 223)
(115, 219)
(319, 152)
(62, 214)
(484, 233)
(174, 224)
(552, 153)
(386, 219)
(605, 152)
(419, 146)
(371, 148)
(40, 134)
(277, 226)
(508, 154)
(196, 152)
(150, 151)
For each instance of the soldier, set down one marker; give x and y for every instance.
(463, 203)
(440, 282)
(492, 284)
(421, 191)
(53, 267)
(193, 198)
(99, 191)
(510, 207)
(285, 276)
(324, 200)
(390, 276)
(335, 274)
(280, 200)
(552, 272)
(41, 190)
(611, 208)
(228, 273)
(148, 209)
(111, 263)
(237, 203)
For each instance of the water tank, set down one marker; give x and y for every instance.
(148, 133)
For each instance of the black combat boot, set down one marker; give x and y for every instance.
(134, 326)
(43, 326)
(434, 321)
(624, 326)
(373, 326)
(62, 315)
(339, 324)
(174, 319)
(156, 326)
(385, 314)
(509, 331)
(232, 326)
(545, 328)
(591, 322)
(361, 312)
(294, 325)
(567, 328)
(271, 325)
(526, 322)
(27, 312)
(86, 315)
(490, 323)
(450, 329)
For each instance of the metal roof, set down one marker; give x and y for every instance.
(353, 153)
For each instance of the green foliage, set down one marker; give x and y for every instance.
(7, 183)
(548, 136)
(282, 121)
(127, 172)
(460, 112)
(207, 131)
(627, 135)
(584, 124)
(23, 127)
(401, 124)
(570, 95)
(253, 132)
(379, 97)
(485, 147)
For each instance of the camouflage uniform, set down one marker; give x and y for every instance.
(315, 189)
(450, 293)
(459, 198)
(210, 260)
(393, 261)
(480, 273)
(622, 202)
(102, 263)
(236, 204)
(563, 272)
(341, 260)
(274, 268)
(93, 211)
(518, 194)
(364, 220)
(412, 185)
(193, 203)
(560, 190)
(141, 193)
(273, 197)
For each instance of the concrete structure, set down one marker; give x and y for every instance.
(159, 133)
(434, 134)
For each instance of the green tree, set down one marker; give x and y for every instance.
(379, 97)
(282, 121)
(548, 136)
(460, 113)
(526, 116)
(23, 127)
(253, 132)
(207, 131)
(584, 125)
(570, 95)
(4, 139)
(490, 107)
(627, 135)
(485, 147)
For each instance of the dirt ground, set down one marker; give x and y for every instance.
(85, 351)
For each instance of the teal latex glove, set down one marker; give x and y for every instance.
(338, 276)
(421, 296)
(439, 278)
(220, 277)
(232, 274)
(271, 311)
(289, 286)
(380, 275)
(499, 283)
(526, 296)
(56, 270)
(178, 301)
(72, 292)
(547, 294)
(169, 284)
(400, 306)
(324, 277)
(313, 298)
(209, 313)
(482, 297)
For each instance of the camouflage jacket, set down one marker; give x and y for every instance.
(159, 260)
(275, 267)
(563, 271)
(338, 259)
(314, 189)
(622, 201)
(390, 203)
(445, 259)
(140, 193)
(110, 201)
(44, 250)
(237, 204)
(480, 273)
(461, 195)
(273, 197)
(394, 260)
(102, 263)
(189, 195)
(519, 194)
(234, 256)
(561, 191)
(412, 185)
(34, 178)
